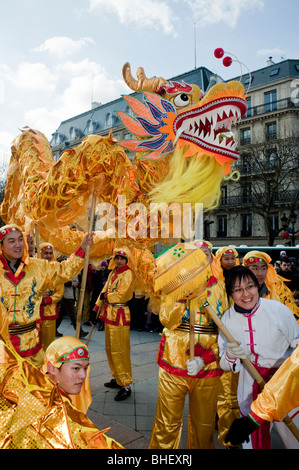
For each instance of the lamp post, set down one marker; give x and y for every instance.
(293, 217)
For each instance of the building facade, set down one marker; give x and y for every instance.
(259, 205)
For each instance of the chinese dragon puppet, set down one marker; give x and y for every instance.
(183, 150)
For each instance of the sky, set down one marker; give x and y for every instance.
(57, 57)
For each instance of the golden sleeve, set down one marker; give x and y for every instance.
(280, 395)
(171, 313)
(60, 273)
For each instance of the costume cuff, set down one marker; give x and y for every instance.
(80, 252)
(207, 355)
(255, 418)
(47, 300)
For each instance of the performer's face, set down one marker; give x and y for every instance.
(260, 271)
(120, 261)
(13, 246)
(228, 261)
(70, 376)
(245, 293)
(47, 254)
(31, 246)
(207, 252)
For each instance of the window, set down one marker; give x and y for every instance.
(245, 136)
(222, 226)
(274, 221)
(108, 120)
(245, 164)
(246, 225)
(223, 201)
(91, 126)
(271, 131)
(249, 109)
(246, 193)
(270, 101)
(274, 72)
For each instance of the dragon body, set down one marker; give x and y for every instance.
(183, 149)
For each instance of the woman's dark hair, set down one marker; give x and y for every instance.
(238, 273)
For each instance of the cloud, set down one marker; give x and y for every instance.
(62, 46)
(208, 12)
(276, 51)
(145, 13)
(31, 76)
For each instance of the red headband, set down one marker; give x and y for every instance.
(254, 260)
(121, 253)
(78, 354)
(228, 251)
(48, 247)
(7, 231)
(203, 244)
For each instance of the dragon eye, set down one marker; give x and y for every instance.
(181, 100)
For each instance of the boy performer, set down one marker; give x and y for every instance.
(115, 313)
(23, 281)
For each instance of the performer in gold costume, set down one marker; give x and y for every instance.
(272, 285)
(23, 281)
(279, 397)
(114, 312)
(178, 375)
(226, 258)
(36, 410)
(51, 297)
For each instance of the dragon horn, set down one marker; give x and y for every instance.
(143, 84)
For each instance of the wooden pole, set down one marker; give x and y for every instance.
(191, 322)
(94, 324)
(36, 233)
(255, 374)
(85, 268)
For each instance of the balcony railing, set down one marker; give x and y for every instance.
(271, 107)
(254, 199)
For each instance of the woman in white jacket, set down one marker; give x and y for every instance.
(266, 331)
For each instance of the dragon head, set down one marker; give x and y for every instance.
(176, 114)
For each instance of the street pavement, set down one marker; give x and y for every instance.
(130, 421)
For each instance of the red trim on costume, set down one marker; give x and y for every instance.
(16, 340)
(183, 372)
(116, 322)
(257, 419)
(207, 355)
(118, 271)
(9, 274)
(80, 252)
(48, 317)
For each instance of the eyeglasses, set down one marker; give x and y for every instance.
(239, 290)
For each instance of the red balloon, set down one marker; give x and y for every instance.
(227, 61)
(219, 52)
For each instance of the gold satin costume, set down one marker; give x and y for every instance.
(277, 289)
(21, 297)
(115, 314)
(227, 405)
(280, 394)
(49, 307)
(174, 381)
(35, 414)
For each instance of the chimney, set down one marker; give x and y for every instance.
(95, 104)
(270, 62)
